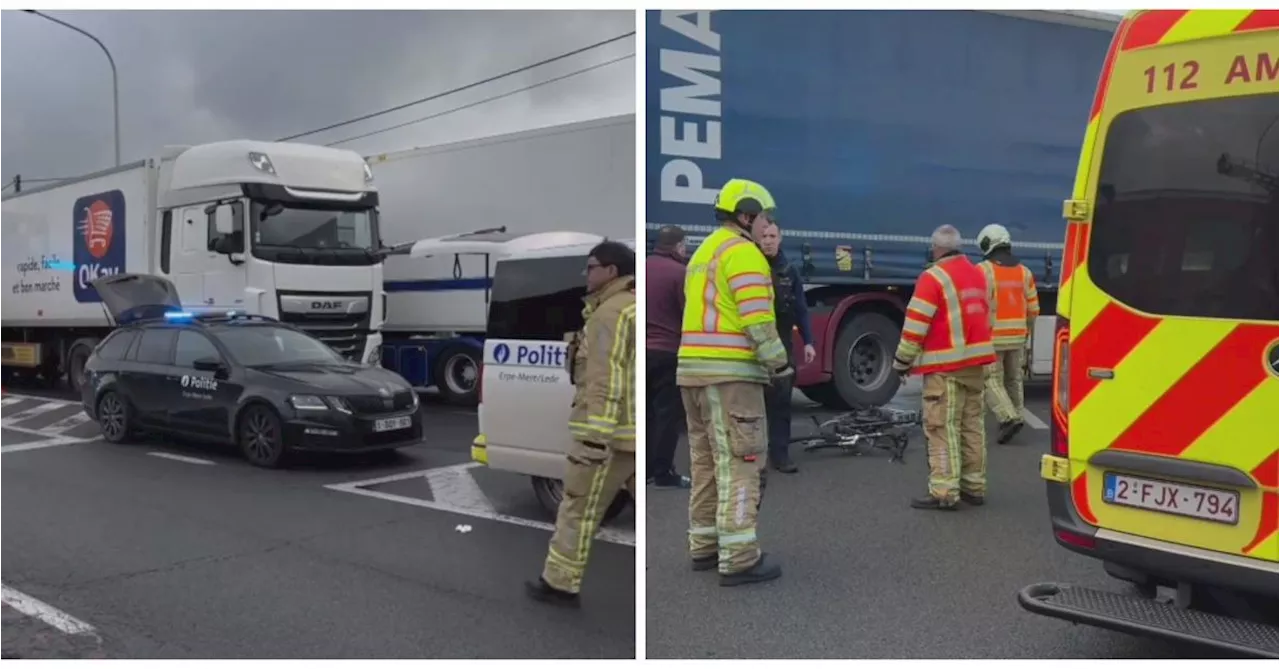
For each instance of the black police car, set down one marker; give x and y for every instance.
(227, 377)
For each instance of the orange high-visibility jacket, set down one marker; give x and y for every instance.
(1011, 291)
(948, 321)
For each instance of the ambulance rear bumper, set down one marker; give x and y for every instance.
(1134, 614)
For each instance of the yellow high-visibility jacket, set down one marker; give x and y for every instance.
(728, 330)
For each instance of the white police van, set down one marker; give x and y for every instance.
(535, 306)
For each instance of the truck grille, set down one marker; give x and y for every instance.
(345, 334)
(375, 404)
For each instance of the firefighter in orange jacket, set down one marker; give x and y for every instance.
(946, 337)
(1015, 305)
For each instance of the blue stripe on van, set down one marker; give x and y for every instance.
(435, 285)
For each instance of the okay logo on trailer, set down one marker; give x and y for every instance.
(98, 241)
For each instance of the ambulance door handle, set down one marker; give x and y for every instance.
(1102, 374)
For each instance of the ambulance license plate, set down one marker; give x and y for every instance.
(389, 424)
(1179, 499)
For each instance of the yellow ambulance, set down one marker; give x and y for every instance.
(1163, 462)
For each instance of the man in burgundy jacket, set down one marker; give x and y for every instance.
(664, 295)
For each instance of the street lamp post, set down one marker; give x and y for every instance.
(115, 82)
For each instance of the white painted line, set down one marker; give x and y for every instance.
(458, 493)
(28, 414)
(10, 399)
(181, 458)
(35, 608)
(1033, 420)
(44, 443)
(69, 423)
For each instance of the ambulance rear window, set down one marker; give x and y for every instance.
(1185, 214)
(537, 298)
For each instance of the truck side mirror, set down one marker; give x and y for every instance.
(223, 220)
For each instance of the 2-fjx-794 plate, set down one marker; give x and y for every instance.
(1179, 499)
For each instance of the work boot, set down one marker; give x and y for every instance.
(973, 500)
(670, 479)
(543, 592)
(784, 465)
(1008, 430)
(706, 562)
(929, 502)
(763, 570)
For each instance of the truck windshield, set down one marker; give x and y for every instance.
(1185, 213)
(313, 236)
(256, 346)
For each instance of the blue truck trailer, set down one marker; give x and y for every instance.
(872, 128)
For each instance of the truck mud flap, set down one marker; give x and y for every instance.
(1137, 615)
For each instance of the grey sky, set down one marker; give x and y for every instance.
(192, 77)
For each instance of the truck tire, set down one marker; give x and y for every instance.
(77, 356)
(457, 376)
(826, 395)
(862, 365)
(550, 491)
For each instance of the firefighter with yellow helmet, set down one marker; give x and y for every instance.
(1015, 305)
(729, 352)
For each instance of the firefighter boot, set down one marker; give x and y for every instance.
(972, 500)
(541, 591)
(706, 562)
(763, 570)
(929, 502)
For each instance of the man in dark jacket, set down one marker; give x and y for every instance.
(792, 312)
(664, 305)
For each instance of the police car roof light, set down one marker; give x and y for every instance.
(179, 315)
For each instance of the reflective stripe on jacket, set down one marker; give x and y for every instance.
(1015, 303)
(728, 330)
(948, 321)
(603, 360)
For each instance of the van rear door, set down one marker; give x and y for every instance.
(1172, 393)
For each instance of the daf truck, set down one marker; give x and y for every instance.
(288, 231)
(871, 129)
(477, 195)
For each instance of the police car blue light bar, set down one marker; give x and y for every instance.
(179, 315)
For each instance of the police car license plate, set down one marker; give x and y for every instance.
(388, 424)
(1179, 499)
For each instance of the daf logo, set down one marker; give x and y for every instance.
(1272, 359)
(327, 305)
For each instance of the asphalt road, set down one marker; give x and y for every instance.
(866, 576)
(164, 550)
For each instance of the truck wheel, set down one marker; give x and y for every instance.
(826, 395)
(457, 375)
(863, 362)
(77, 355)
(550, 491)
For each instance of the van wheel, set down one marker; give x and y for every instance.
(260, 436)
(551, 491)
(457, 376)
(863, 363)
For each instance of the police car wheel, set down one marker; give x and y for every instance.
(114, 417)
(551, 491)
(260, 436)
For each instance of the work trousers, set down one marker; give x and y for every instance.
(593, 478)
(778, 413)
(956, 433)
(1004, 384)
(664, 412)
(727, 445)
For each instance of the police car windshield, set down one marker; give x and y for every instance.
(260, 346)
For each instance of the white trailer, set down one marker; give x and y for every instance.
(287, 231)
(577, 177)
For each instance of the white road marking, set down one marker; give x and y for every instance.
(181, 458)
(47, 442)
(458, 493)
(35, 608)
(10, 399)
(28, 414)
(69, 423)
(1033, 420)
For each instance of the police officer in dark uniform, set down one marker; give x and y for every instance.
(792, 312)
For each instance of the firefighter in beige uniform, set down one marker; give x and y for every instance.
(1015, 305)
(729, 352)
(602, 458)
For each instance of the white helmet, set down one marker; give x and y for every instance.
(993, 237)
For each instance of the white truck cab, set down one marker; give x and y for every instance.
(283, 230)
